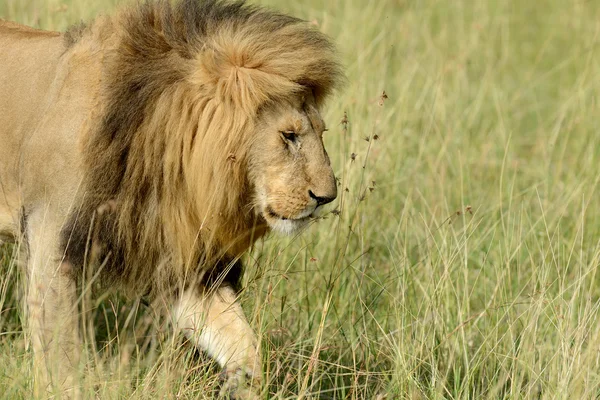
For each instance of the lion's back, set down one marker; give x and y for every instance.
(28, 60)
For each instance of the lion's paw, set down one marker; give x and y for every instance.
(240, 384)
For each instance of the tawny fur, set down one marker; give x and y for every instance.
(150, 149)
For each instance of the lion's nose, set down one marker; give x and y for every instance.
(320, 200)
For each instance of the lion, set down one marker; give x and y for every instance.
(147, 151)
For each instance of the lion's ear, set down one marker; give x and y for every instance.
(232, 78)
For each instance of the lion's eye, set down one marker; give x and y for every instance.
(289, 135)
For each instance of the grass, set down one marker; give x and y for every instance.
(463, 262)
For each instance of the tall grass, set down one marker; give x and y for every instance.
(460, 259)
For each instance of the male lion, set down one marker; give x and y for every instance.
(149, 150)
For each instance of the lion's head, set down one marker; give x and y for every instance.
(290, 170)
(264, 80)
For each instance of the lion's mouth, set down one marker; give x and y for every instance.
(272, 214)
(285, 224)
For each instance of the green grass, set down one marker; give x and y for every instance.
(463, 263)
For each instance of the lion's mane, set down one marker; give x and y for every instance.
(166, 186)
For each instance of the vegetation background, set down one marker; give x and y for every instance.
(461, 258)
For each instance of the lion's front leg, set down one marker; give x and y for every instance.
(215, 322)
(51, 305)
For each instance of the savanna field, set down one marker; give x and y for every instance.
(460, 260)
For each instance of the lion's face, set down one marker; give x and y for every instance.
(290, 169)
